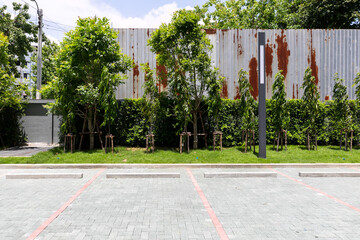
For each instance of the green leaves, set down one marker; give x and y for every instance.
(183, 48)
(49, 55)
(280, 14)
(247, 102)
(20, 33)
(88, 67)
(279, 108)
(342, 118)
(150, 98)
(311, 98)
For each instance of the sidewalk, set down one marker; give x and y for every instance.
(26, 151)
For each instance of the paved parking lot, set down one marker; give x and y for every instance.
(189, 207)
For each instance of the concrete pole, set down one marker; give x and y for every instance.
(262, 95)
(39, 57)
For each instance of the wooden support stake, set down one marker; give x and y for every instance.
(180, 143)
(109, 138)
(246, 140)
(346, 140)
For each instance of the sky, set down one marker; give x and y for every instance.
(60, 16)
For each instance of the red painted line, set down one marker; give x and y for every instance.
(214, 219)
(60, 210)
(319, 191)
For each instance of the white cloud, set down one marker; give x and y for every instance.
(67, 12)
(53, 39)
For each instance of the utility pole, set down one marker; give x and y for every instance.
(39, 58)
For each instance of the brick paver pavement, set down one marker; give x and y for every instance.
(247, 208)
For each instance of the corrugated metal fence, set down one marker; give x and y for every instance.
(325, 51)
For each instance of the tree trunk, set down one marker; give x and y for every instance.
(246, 140)
(274, 141)
(91, 127)
(195, 145)
(308, 139)
(346, 140)
(340, 139)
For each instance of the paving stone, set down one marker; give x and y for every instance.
(247, 208)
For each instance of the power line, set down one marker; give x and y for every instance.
(54, 29)
(60, 23)
(49, 20)
(29, 5)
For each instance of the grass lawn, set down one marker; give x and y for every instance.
(295, 154)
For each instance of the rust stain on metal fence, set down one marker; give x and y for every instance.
(162, 74)
(293, 95)
(324, 51)
(283, 53)
(312, 60)
(238, 44)
(136, 81)
(237, 96)
(253, 77)
(210, 31)
(224, 90)
(297, 91)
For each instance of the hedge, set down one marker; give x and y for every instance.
(10, 127)
(130, 127)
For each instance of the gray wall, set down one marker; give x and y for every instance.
(326, 51)
(38, 126)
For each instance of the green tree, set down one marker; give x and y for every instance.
(247, 115)
(88, 67)
(151, 103)
(310, 109)
(341, 114)
(184, 49)
(265, 14)
(49, 54)
(281, 117)
(20, 32)
(333, 14)
(284, 14)
(357, 102)
(10, 99)
(10, 91)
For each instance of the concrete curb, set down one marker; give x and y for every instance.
(143, 175)
(329, 174)
(43, 175)
(159, 166)
(239, 174)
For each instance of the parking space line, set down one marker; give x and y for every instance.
(220, 230)
(317, 190)
(63, 207)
